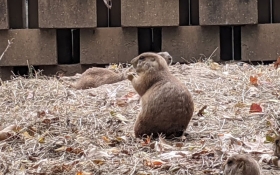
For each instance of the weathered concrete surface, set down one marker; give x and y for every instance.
(108, 45)
(36, 46)
(228, 12)
(191, 41)
(67, 14)
(149, 13)
(4, 23)
(65, 69)
(261, 42)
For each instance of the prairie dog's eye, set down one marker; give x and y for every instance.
(229, 162)
(142, 58)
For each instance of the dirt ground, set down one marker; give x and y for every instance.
(54, 129)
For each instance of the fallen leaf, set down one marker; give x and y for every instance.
(26, 135)
(74, 150)
(119, 116)
(41, 140)
(147, 141)
(269, 138)
(63, 148)
(214, 66)
(153, 163)
(121, 102)
(277, 63)
(98, 161)
(198, 155)
(79, 173)
(106, 139)
(254, 80)
(201, 111)
(255, 108)
(41, 114)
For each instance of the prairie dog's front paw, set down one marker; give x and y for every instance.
(130, 77)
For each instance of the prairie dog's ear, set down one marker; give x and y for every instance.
(241, 165)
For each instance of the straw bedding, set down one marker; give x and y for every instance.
(54, 129)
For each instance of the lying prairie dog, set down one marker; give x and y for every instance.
(95, 76)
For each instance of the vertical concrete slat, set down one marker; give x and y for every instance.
(4, 22)
(230, 12)
(67, 13)
(259, 43)
(108, 45)
(36, 46)
(149, 13)
(190, 42)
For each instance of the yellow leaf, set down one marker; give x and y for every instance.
(79, 173)
(63, 148)
(215, 66)
(106, 139)
(27, 136)
(118, 116)
(41, 140)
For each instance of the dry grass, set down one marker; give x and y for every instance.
(66, 131)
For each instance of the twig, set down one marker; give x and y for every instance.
(9, 45)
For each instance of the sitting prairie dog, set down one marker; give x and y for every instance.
(241, 165)
(168, 58)
(167, 105)
(95, 77)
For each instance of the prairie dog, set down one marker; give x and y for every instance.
(94, 77)
(168, 58)
(241, 165)
(167, 105)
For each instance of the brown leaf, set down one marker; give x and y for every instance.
(121, 102)
(153, 163)
(41, 114)
(277, 63)
(254, 80)
(198, 155)
(74, 150)
(147, 141)
(106, 139)
(98, 161)
(201, 111)
(255, 108)
(130, 94)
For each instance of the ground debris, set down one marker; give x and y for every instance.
(48, 128)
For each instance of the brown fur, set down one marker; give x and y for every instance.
(95, 76)
(277, 147)
(168, 58)
(241, 165)
(167, 105)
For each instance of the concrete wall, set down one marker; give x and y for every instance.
(71, 35)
